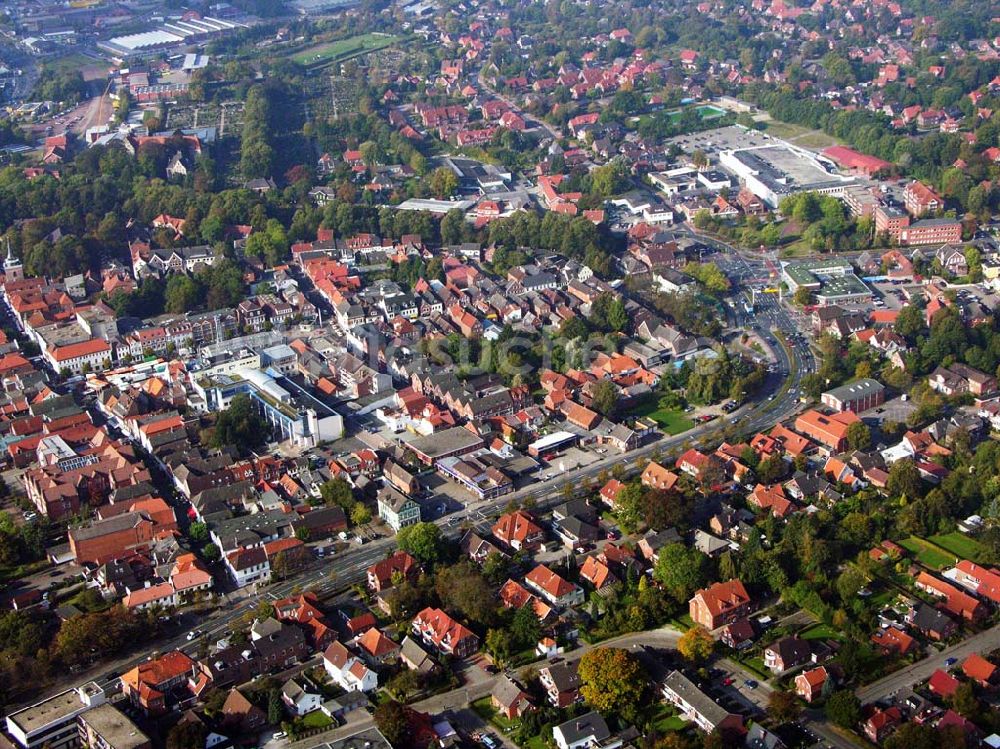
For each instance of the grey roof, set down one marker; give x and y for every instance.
(114, 727)
(857, 389)
(445, 442)
(564, 676)
(113, 524)
(678, 684)
(414, 654)
(506, 691)
(590, 726)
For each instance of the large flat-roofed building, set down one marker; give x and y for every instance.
(293, 413)
(447, 443)
(190, 29)
(832, 281)
(105, 727)
(856, 396)
(52, 722)
(775, 172)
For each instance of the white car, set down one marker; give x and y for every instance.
(194, 633)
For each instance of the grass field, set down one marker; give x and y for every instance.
(670, 421)
(316, 719)
(666, 720)
(708, 112)
(323, 54)
(800, 136)
(820, 632)
(960, 545)
(927, 554)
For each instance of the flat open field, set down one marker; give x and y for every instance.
(928, 554)
(960, 545)
(323, 54)
(800, 136)
(671, 422)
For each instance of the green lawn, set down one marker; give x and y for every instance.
(535, 742)
(820, 632)
(709, 112)
(329, 52)
(316, 719)
(927, 554)
(959, 544)
(670, 421)
(666, 720)
(799, 135)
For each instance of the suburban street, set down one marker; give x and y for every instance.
(982, 643)
(462, 697)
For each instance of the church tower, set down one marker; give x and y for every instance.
(12, 268)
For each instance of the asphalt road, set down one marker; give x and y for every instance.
(460, 698)
(984, 642)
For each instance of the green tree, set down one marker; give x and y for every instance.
(681, 571)
(782, 706)
(859, 436)
(605, 397)
(612, 681)
(393, 720)
(423, 541)
(500, 644)
(844, 709)
(187, 734)
(360, 514)
(525, 627)
(198, 532)
(240, 426)
(337, 492)
(275, 708)
(443, 182)
(211, 552)
(904, 479)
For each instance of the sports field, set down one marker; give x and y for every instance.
(323, 54)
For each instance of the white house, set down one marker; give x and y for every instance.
(94, 354)
(248, 566)
(587, 731)
(347, 670)
(299, 700)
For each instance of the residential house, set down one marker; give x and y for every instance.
(585, 732)
(697, 707)
(446, 635)
(553, 588)
(561, 683)
(719, 604)
(347, 670)
(810, 684)
(396, 509)
(509, 700)
(786, 653)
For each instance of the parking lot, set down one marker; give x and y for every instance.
(720, 139)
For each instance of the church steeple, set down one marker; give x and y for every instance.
(12, 268)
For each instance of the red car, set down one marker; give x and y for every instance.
(728, 681)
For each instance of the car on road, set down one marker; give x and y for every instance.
(489, 741)
(950, 662)
(194, 634)
(279, 735)
(728, 681)
(750, 684)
